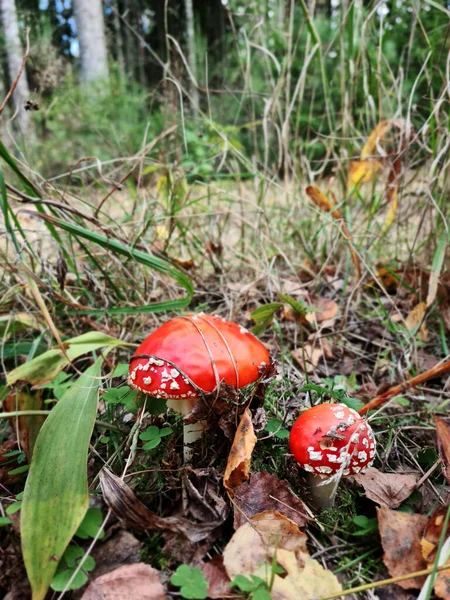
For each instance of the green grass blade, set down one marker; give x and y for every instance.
(9, 160)
(144, 258)
(56, 494)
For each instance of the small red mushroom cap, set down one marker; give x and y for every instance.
(329, 438)
(192, 354)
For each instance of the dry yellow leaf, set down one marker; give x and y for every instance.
(390, 217)
(362, 171)
(415, 318)
(270, 534)
(238, 465)
(379, 132)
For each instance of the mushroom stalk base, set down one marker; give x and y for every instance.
(192, 431)
(322, 491)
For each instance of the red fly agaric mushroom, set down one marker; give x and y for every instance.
(331, 441)
(190, 356)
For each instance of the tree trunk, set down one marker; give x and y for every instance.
(14, 53)
(92, 40)
(192, 59)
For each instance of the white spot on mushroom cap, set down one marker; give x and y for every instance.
(174, 373)
(362, 456)
(365, 442)
(355, 438)
(174, 385)
(324, 469)
(332, 458)
(147, 380)
(339, 415)
(314, 455)
(308, 468)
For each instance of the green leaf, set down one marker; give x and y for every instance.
(22, 469)
(74, 555)
(192, 582)
(272, 425)
(243, 583)
(46, 366)
(121, 370)
(115, 395)
(265, 313)
(61, 579)
(90, 525)
(282, 434)
(261, 594)
(165, 431)
(5, 521)
(150, 433)
(361, 520)
(152, 444)
(402, 401)
(351, 402)
(156, 406)
(13, 508)
(56, 494)
(299, 307)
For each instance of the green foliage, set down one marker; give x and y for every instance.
(256, 587)
(273, 425)
(152, 436)
(69, 563)
(364, 525)
(191, 581)
(56, 495)
(91, 524)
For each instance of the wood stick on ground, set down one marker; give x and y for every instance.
(406, 385)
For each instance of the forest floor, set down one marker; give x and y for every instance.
(242, 246)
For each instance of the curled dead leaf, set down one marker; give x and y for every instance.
(265, 492)
(138, 581)
(386, 489)
(270, 535)
(320, 200)
(328, 310)
(238, 465)
(124, 504)
(400, 537)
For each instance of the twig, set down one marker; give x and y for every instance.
(22, 67)
(406, 385)
(377, 584)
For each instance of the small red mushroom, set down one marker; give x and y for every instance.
(190, 356)
(331, 441)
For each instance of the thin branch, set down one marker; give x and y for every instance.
(22, 67)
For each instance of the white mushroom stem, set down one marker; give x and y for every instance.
(192, 431)
(323, 490)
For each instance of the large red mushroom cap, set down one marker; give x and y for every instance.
(192, 354)
(332, 438)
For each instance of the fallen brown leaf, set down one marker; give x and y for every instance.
(309, 355)
(124, 504)
(270, 534)
(320, 200)
(216, 575)
(264, 492)
(328, 309)
(386, 489)
(443, 444)
(139, 581)
(238, 465)
(400, 537)
(432, 534)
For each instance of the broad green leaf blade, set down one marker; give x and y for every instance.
(55, 499)
(46, 366)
